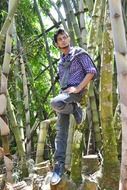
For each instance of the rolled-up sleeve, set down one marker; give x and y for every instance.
(87, 64)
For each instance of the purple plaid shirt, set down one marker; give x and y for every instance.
(78, 69)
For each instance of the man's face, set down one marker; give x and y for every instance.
(63, 41)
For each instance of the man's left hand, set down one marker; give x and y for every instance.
(72, 89)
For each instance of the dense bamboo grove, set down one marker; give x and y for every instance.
(28, 65)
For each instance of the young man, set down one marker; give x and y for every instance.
(76, 70)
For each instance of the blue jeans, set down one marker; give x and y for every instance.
(64, 105)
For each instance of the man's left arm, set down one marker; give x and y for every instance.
(90, 70)
(82, 85)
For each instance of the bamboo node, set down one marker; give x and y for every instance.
(116, 15)
(124, 73)
(123, 53)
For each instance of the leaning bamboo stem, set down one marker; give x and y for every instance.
(14, 127)
(70, 26)
(59, 14)
(82, 24)
(8, 21)
(17, 134)
(92, 41)
(74, 23)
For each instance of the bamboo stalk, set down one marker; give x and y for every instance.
(4, 79)
(95, 118)
(41, 142)
(59, 14)
(16, 131)
(90, 5)
(70, 26)
(74, 23)
(82, 24)
(77, 157)
(17, 76)
(41, 139)
(92, 45)
(120, 46)
(69, 143)
(26, 104)
(109, 138)
(14, 127)
(8, 21)
(92, 40)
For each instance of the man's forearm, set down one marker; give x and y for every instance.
(85, 81)
(81, 86)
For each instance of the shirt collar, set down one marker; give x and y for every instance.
(64, 57)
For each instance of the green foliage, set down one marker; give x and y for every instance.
(27, 20)
(45, 4)
(3, 12)
(28, 30)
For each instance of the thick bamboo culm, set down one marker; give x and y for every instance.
(42, 137)
(120, 46)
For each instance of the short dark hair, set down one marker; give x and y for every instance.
(59, 31)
